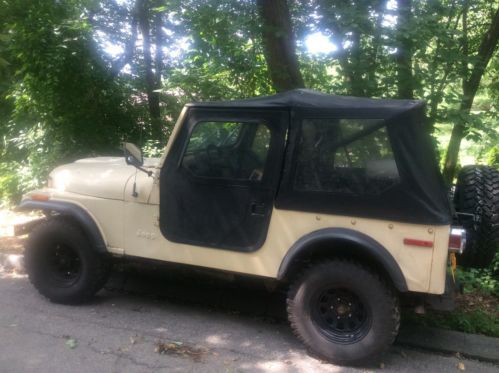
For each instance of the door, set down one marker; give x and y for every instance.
(218, 183)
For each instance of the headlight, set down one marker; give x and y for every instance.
(59, 180)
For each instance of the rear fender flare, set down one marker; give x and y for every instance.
(364, 245)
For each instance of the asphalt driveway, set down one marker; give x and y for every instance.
(144, 323)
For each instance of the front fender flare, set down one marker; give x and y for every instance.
(82, 217)
(363, 244)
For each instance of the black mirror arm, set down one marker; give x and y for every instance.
(148, 172)
(137, 164)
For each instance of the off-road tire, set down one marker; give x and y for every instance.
(83, 271)
(379, 301)
(477, 193)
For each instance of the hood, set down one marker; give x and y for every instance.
(103, 177)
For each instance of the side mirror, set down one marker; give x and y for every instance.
(133, 155)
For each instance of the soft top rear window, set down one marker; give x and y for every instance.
(363, 164)
(351, 156)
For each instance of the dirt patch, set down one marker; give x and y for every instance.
(478, 301)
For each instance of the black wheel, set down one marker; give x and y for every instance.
(62, 265)
(343, 312)
(477, 193)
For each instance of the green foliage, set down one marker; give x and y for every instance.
(153, 149)
(475, 322)
(60, 80)
(64, 95)
(480, 285)
(225, 60)
(482, 280)
(493, 157)
(60, 102)
(9, 183)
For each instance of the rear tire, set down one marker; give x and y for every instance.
(477, 193)
(62, 265)
(343, 312)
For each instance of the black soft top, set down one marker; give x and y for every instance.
(309, 99)
(421, 197)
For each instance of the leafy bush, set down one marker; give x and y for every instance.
(153, 149)
(16, 178)
(9, 184)
(476, 321)
(493, 157)
(486, 280)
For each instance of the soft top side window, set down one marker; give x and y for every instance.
(227, 150)
(214, 134)
(352, 156)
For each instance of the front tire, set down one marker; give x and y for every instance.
(343, 312)
(62, 265)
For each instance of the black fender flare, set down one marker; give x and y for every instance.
(82, 217)
(363, 245)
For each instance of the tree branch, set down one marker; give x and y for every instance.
(470, 86)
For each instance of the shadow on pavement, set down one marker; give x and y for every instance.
(202, 288)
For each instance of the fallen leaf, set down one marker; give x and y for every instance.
(71, 343)
(178, 348)
(461, 366)
(381, 365)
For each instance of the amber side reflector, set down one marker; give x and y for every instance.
(39, 197)
(420, 243)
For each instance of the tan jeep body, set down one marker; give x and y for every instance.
(339, 199)
(130, 225)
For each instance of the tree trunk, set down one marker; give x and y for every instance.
(405, 80)
(358, 84)
(158, 60)
(144, 15)
(279, 45)
(470, 87)
(372, 84)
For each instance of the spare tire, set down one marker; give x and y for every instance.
(477, 194)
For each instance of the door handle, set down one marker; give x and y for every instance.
(258, 208)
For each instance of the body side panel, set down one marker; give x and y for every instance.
(133, 227)
(143, 238)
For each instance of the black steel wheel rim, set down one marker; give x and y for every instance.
(340, 315)
(64, 264)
